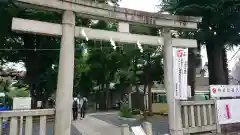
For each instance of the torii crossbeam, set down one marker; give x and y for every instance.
(51, 29)
(103, 11)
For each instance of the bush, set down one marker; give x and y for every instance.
(125, 111)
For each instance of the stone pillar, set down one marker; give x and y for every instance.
(174, 112)
(147, 127)
(65, 76)
(125, 129)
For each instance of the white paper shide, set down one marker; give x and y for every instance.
(180, 67)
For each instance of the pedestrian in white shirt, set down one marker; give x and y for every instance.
(83, 106)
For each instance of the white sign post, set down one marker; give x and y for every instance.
(218, 91)
(39, 104)
(21, 103)
(228, 111)
(180, 72)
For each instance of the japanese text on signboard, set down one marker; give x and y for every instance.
(225, 91)
(180, 65)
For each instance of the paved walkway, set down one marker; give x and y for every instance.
(107, 123)
(159, 123)
(49, 128)
(92, 126)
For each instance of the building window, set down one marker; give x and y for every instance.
(159, 98)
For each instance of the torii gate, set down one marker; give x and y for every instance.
(68, 32)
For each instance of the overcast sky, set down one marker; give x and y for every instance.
(144, 5)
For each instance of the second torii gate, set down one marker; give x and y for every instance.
(68, 32)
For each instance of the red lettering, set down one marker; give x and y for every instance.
(227, 111)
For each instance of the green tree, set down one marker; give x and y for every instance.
(31, 49)
(219, 29)
(103, 67)
(83, 83)
(153, 71)
(40, 54)
(151, 63)
(5, 83)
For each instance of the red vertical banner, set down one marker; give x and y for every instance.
(228, 111)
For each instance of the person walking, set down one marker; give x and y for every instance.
(75, 108)
(83, 107)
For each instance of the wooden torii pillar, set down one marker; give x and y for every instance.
(68, 32)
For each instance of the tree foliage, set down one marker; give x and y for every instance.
(219, 30)
(100, 66)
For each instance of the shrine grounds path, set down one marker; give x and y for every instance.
(108, 123)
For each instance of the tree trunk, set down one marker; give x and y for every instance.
(150, 83)
(103, 97)
(145, 101)
(150, 98)
(107, 93)
(144, 91)
(32, 66)
(225, 65)
(191, 70)
(217, 74)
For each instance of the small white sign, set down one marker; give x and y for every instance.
(21, 103)
(137, 130)
(180, 72)
(217, 91)
(39, 104)
(228, 111)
